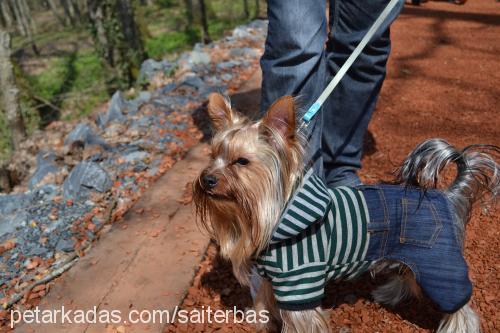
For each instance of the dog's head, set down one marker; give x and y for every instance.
(253, 167)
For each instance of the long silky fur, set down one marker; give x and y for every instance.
(464, 320)
(477, 174)
(304, 321)
(243, 224)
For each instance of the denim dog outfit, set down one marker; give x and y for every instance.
(331, 234)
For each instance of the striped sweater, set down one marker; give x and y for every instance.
(322, 235)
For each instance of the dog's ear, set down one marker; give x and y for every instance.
(219, 110)
(281, 117)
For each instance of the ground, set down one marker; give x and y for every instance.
(442, 81)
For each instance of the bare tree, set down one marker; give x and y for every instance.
(189, 12)
(205, 36)
(117, 37)
(10, 93)
(6, 13)
(26, 13)
(53, 8)
(71, 11)
(257, 9)
(246, 10)
(25, 23)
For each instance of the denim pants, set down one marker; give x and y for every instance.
(419, 229)
(297, 62)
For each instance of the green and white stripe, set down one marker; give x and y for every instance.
(322, 235)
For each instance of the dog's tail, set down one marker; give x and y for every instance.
(477, 173)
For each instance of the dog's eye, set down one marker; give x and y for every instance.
(242, 161)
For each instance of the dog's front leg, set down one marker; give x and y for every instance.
(265, 301)
(305, 321)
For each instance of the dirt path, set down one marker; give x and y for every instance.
(442, 82)
(146, 262)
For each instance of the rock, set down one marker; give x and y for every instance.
(84, 177)
(143, 97)
(65, 245)
(193, 81)
(228, 64)
(135, 156)
(9, 223)
(244, 52)
(45, 164)
(140, 166)
(166, 89)
(13, 202)
(151, 67)
(199, 57)
(84, 135)
(258, 24)
(114, 113)
(242, 33)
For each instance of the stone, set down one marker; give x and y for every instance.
(65, 245)
(84, 177)
(114, 113)
(193, 81)
(45, 164)
(166, 89)
(228, 65)
(151, 67)
(135, 156)
(84, 135)
(12, 202)
(244, 52)
(199, 57)
(9, 223)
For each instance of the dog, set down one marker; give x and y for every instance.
(288, 234)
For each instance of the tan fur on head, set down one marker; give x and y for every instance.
(254, 166)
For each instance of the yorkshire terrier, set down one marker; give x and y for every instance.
(279, 223)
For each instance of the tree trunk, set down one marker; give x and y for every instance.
(53, 8)
(189, 12)
(6, 13)
(117, 37)
(69, 13)
(21, 27)
(75, 9)
(96, 12)
(257, 9)
(26, 12)
(205, 36)
(131, 33)
(25, 22)
(246, 10)
(10, 93)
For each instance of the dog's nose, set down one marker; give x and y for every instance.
(210, 181)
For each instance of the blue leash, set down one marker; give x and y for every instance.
(313, 109)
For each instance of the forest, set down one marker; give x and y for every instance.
(59, 59)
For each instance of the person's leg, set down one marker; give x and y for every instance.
(293, 61)
(348, 110)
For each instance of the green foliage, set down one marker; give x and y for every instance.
(166, 3)
(4, 138)
(77, 81)
(157, 47)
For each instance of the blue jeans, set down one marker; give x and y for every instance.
(297, 62)
(420, 231)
